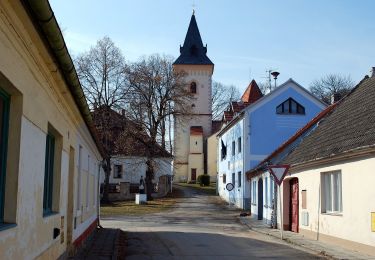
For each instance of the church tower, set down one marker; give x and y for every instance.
(191, 132)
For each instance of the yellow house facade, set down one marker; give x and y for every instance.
(49, 157)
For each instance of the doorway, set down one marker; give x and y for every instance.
(260, 199)
(193, 174)
(293, 205)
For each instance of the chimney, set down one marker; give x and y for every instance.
(335, 97)
(372, 72)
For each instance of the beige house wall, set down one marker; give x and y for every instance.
(212, 156)
(350, 228)
(40, 99)
(201, 116)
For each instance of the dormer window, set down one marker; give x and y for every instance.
(193, 88)
(290, 107)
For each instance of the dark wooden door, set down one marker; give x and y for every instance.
(260, 199)
(193, 174)
(294, 211)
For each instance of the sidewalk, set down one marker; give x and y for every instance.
(321, 248)
(105, 244)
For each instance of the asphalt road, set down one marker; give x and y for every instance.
(199, 227)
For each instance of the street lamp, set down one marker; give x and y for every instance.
(275, 74)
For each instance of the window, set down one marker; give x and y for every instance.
(4, 123)
(331, 192)
(48, 174)
(266, 199)
(290, 106)
(304, 199)
(233, 148)
(228, 165)
(272, 191)
(79, 173)
(239, 145)
(234, 179)
(223, 150)
(117, 171)
(88, 181)
(193, 87)
(253, 192)
(239, 179)
(224, 178)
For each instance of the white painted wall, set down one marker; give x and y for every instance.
(358, 193)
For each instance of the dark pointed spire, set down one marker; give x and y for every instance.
(193, 52)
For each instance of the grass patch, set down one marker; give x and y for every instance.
(211, 190)
(131, 209)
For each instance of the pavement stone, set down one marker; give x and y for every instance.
(324, 249)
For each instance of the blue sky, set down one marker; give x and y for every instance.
(301, 39)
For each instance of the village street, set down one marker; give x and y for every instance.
(200, 226)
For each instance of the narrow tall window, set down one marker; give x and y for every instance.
(331, 192)
(4, 125)
(239, 144)
(234, 179)
(233, 148)
(88, 182)
(48, 174)
(239, 179)
(224, 178)
(79, 178)
(117, 171)
(193, 87)
(266, 191)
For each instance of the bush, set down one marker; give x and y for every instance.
(204, 180)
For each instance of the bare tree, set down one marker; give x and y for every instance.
(157, 92)
(222, 95)
(331, 85)
(102, 75)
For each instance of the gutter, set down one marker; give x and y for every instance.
(41, 14)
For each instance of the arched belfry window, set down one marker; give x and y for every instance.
(193, 87)
(290, 106)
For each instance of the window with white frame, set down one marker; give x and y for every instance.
(253, 192)
(233, 179)
(239, 179)
(233, 148)
(331, 192)
(224, 178)
(239, 144)
(117, 171)
(272, 190)
(266, 199)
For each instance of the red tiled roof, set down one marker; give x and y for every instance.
(252, 93)
(228, 116)
(294, 137)
(196, 130)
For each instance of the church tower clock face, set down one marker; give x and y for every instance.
(191, 131)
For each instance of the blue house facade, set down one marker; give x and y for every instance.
(255, 132)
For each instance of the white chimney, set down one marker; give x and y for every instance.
(372, 72)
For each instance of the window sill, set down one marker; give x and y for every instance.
(333, 214)
(5, 226)
(49, 214)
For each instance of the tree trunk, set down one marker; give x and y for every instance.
(107, 171)
(149, 178)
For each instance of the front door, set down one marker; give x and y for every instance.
(294, 212)
(193, 174)
(260, 199)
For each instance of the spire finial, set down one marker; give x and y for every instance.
(193, 5)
